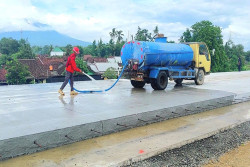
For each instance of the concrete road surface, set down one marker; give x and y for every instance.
(30, 109)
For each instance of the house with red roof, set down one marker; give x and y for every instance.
(51, 69)
(86, 57)
(43, 68)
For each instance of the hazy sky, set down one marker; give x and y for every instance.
(90, 20)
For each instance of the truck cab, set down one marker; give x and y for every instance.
(201, 59)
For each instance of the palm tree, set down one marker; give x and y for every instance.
(156, 30)
(113, 33)
(119, 36)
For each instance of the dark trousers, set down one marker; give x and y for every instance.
(68, 76)
(239, 67)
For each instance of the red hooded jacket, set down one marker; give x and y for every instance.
(71, 64)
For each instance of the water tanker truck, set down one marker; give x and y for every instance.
(157, 62)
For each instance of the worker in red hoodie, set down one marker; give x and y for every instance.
(70, 69)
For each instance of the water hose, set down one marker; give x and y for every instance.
(99, 91)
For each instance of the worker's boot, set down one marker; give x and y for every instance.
(73, 93)
(61, 92)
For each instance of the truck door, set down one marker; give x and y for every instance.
(204, 58)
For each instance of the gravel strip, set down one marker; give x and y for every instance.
(200, 152)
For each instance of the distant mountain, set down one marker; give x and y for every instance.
(41, 38)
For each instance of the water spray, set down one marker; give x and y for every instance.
(100, 91)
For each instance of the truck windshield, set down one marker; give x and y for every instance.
(203, 51)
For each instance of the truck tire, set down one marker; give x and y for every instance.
(178, 81)
(153, 84)
(137, 84)
(200, 76)
(161, 80)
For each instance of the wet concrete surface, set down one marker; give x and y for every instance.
(29, 109)
(37, 109)
(135, 144)
(235, 82)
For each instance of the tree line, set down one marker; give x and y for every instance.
(224, 59)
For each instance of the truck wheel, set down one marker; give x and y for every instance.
(199, 79)
(153, 84)
(178, 81)
(162, 80)
(138, 84)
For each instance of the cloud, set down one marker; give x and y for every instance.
(37, 24)
(90, 20)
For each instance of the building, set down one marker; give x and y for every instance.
(115, 59)
(86, 57)
(118, 59)
(100, 68)
(51, 69)
(43, 68)
(56, 65)
(56, 52)
(92, 60)
(100, 65)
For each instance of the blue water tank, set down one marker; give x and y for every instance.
(157, 53)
